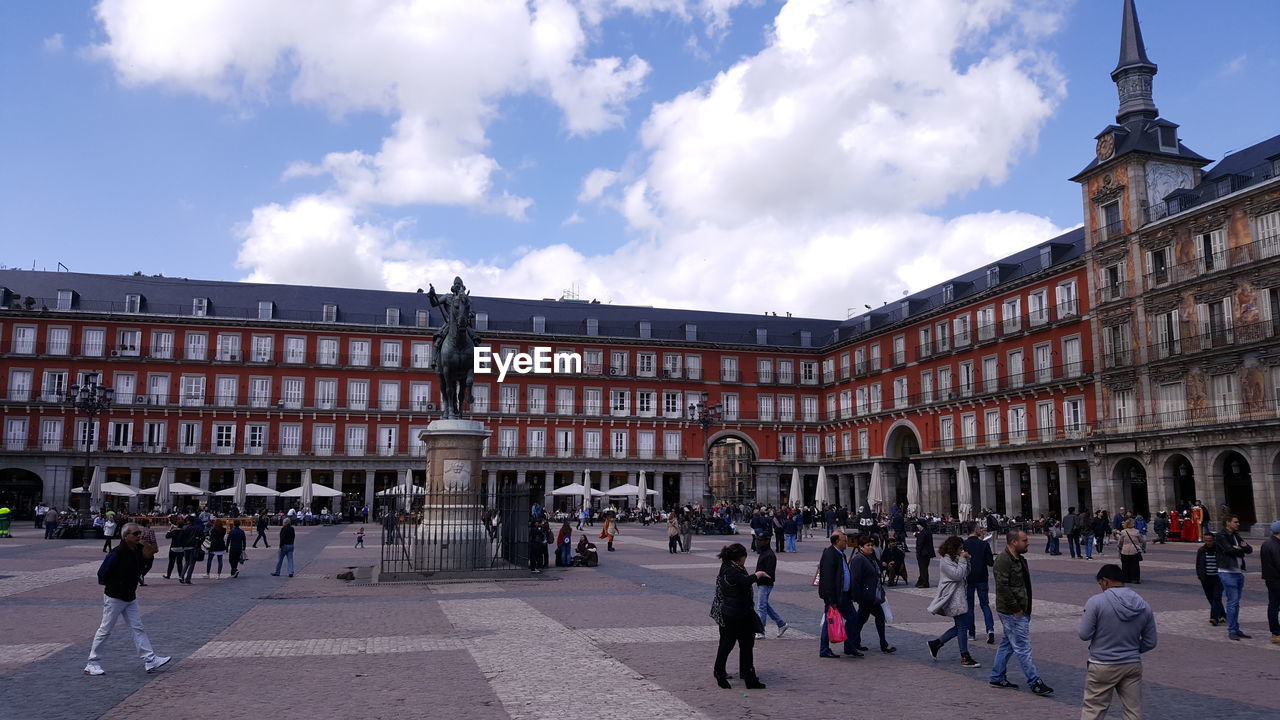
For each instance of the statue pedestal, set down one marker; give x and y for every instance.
(453, 533)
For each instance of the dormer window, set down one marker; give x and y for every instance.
(133, 303)
(539, 324)
(948, 293)
(993, 277)
(806, 338)
(66, 298)
(762, 336)
(266, 310)
(690, 332)
(1224, 186)
(393, 316)
(199, 307)
(593, 326)
(1046, 257)
(1168, 138)
(329, 313)
(423, 318)
(482, 321)
(646, 329)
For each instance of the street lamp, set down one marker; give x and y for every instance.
(706, 415)
(91, 398)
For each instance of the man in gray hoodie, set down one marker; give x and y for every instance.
(1119, 626)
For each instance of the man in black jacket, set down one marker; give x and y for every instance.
(1071, 528)
(261, 525)
(286, 547)
(768, 564)
(834, 589)
(119, 574)
(977, 587)
(924, 552)
(1207, 573)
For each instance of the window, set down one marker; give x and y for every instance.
(564, 442)
(926, 386)
(618, 442)
(690, 332)
(593, 361)
(266, 309)
(874, 351)
(162, 344)
(1215, 323)
(876, 399)
(326, 394)
(992, 418)
(95, 340)
(259, 392)
(787, 446)
(990, 374)
(730, 403)
(1225, 402)
(390, 353)
(1158, 267)
(947, 432)
(1211, 250)
(20, 385)
(810, 447)
(564, 401)
(966, 378)
(228, 348)
(1171, 403)
(786, 375)
(420, 355)
(809, 372)
(729, 369)
(1015, 368)
(593, 326)
(329, 313)
(764, 370)
(1111, 282)
(900, 392)
(291, 393)
(1073, 417)
(224, 438)
(619, 402)
(646, 403)
(860, 360)
(393, 316)
(899, 349)
(65, 299)
(482, 321)
(591, 401)
(1068, 302)
(944, 384)
(765, 407)
(943, 336)
(153, 436)
(1044, 362)
(537, 442)
(228, 391)
(671, 404)
(1011, 314)
(359, 351)
(762, 336)
(618, 362)
(1071, 362)
(969, 430)
(358, 394)
(1122, 405)
(255, 439)
(388, 440)
(864, 443)
(646, 440)
(1111, 226)
(290, 439)
(809, 408)
(831, 404)
(508, 444)
(671, 365)
(844, 366)
(295, 349)
(591, 440)
(862, 405)
(536, 396)
(192, 390)
(188, 437)
(59, 341)
(671, 445)
(786, 408)
(262, 348)
(1037, 308)
(1018, 424)
(199, 307)
(1167, 344)
(646, 364)
(847, 405)
(948, 293)
(1266, 227)
(987, 322)
(15, 434)
(157, 389)
(1115, 345)
(480, 399)
(1045, 420)
(389, 395)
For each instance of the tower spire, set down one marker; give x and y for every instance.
(1134, 71)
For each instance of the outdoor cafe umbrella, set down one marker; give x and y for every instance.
(175, 488)
(964, 492)
(823, 493)
(643, 496)
(586, 488)
(250, 490)
(317, 491)
(95, 487)
(570, 489)
(797, 490)
(307, 495)
(875, 489)
(113, 488)
(238, 491)
(913, 491)
(164, 498)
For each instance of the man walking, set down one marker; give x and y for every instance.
(767, 563)
(1207, 573)
(1013, 605)
(1271, 576)
(1119, 627)
(50, 522)
(261, 525)
(119, 575)
(286, 547)
(1231, 551)
(834, 589)
(1070, 528)
(924, 553)
(980, 558)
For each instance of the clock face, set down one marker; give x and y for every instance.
(1106, 145)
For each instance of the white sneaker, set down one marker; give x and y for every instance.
(760, 636)
(157, 662)
(93, 668)
(782, 630)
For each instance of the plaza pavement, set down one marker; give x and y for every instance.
(629, 639)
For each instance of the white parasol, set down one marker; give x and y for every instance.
(964, 492)
(797, 490)
(913, 490)
(823, 494)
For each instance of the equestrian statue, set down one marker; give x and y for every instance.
(455, 347)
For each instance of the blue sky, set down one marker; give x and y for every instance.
(766, 156)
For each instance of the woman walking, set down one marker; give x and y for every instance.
(733, 611)
(236, 543)
(610, 528)
(952, 599)
(148, 538)
(177, 553)
(673, 534)
(1131, 545)
(868, 593)
(108, 532)
(217, 546)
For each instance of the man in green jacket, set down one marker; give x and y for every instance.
(1013, 605)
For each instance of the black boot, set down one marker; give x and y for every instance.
(722, 679)
(752, 681)
(610, 546)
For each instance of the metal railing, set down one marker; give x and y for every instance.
(455, 532)
(1236, 256)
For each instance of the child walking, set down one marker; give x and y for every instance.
(360, 538)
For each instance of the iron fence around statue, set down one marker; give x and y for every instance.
(456, 532)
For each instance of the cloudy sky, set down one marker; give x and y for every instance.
(808, 156)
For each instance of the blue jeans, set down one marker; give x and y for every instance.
(791, 543)
(845, 606)
(959, 631)
(1015, 641)
(1233, 588)
(765, 610)
(1086, 542)
(980, 589)
(285, 551)
(1073, 544)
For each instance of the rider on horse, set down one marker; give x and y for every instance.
(457, 305)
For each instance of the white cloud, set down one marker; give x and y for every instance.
(596, 182)
(574, 219)
(53, 43)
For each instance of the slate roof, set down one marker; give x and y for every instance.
(1243, 168)
(1141, 136)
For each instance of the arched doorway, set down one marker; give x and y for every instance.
(1132, 480)
(902, 447)
(1181, 476)
(1237, 485)
(731, 471)
(20, 491)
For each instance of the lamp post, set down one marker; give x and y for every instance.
(91, 398)
(706, 415)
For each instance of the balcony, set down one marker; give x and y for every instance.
(1109, 231)
(1117, 359)
(1114, 291)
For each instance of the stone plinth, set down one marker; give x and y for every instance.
(453, 535)
(453, 455)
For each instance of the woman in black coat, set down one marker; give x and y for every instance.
(867, 591)
(236, 542)
(734, 611)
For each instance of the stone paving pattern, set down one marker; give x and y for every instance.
(629, 639)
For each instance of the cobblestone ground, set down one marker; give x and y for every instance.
(629, 639)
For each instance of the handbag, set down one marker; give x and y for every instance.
(835, 625)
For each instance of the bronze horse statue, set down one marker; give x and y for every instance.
(456, 348)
